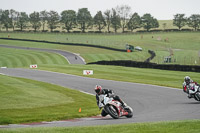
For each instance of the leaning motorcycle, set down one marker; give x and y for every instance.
(194, 90)
(114, 108)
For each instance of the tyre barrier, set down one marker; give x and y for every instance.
(129, 63)
(73, 44)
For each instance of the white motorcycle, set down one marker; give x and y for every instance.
(114, 108)
(194, 90)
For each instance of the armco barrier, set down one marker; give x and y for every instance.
(129, 63)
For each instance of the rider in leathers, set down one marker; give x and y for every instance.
(186, 85)
(99, 91)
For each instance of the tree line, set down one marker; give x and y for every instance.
(116, 18)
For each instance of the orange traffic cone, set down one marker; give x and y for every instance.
(79, 110)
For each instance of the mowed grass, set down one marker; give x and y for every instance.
(184, 45)
(88, 53)
(11, 58)
(190, 126)
(26, 101)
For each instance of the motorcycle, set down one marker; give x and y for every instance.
(114, 108)
(194, 91)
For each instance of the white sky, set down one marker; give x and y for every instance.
(160, 9)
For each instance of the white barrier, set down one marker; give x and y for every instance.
(33, 66)
(87, 72)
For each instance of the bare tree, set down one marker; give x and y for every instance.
(124, 12)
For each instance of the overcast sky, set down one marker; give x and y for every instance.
(160, 9)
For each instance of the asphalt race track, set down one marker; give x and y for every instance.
(150, 103)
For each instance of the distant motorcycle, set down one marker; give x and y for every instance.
(114, 108)
(194, 90)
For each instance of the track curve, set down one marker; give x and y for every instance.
(149, 102)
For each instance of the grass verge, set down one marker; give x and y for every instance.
(24, 101)
(191, 126)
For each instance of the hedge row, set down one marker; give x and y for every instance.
(129, 63)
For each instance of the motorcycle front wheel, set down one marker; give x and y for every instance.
(130, 112)
(112, 111)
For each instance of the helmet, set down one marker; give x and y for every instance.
(187, 79)
(98, 89)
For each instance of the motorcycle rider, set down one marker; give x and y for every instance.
(186, 85)
(100, 91)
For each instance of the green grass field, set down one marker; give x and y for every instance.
(183, 45)
(191, 126)
(24, 58)
(26, 101)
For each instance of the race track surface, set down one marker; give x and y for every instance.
(70, 57)
(150, 103)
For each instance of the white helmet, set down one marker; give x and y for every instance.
(187, 79)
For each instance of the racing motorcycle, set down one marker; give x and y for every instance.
(114, 108)
(194, 90)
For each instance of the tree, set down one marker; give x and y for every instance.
(1, 12)
(149, 22)
(164, 25)
(115, 20)
(84, 18)
(194, 21)
(35, 20)
(22, 20)
(68, 17)
(43, 18)
(123, 11)
(53, 20)
(134, 22)
(179, 20)
(99, 21)
(13, 16)
(6, 20)
(107, 14)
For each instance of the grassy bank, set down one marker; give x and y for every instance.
(183, 45)
(24, 101)
(24, 58)
(192, 126)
